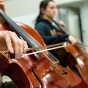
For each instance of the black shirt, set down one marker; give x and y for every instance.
(49, 32)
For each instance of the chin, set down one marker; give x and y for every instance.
(53, 16)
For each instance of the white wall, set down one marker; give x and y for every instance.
(27, 19)
(59, 2)
(21, 7)
(73, 22)
(24, 11)
(84, 18)
(24, 7)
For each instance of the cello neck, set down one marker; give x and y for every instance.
(60, 27)
(14, 27)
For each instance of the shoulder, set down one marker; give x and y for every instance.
(41, 23)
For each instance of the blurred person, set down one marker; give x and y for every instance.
(46, 29)
(44, 24)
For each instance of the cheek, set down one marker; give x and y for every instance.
(49, 13)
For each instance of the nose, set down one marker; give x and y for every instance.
(54, 11)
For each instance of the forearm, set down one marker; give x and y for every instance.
(54, 39)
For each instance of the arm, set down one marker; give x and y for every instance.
(48, 39)
(41, 28)
(54, 39)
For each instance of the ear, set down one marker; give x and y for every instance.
(42, 10)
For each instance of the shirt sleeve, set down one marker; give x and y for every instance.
(48, 39)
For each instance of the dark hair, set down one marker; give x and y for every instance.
(43, 4)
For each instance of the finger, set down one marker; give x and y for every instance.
(21, 47)
(61, 23)
(73, 41)
(16, 43)
(8, 42)
(25, 46)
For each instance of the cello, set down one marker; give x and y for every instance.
(75, 56)
(38, 70)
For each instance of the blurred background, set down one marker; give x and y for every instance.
(74, 13)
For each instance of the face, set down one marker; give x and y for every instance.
(50, 10)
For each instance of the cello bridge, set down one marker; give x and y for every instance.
(51, 68)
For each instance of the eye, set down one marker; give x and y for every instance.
(51, 7)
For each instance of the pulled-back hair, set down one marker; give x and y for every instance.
(43, 4)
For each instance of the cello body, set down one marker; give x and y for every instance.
(74, 56)
(36, 71)
(81, 60)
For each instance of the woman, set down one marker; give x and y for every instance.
(45, 28)
(44, 24)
